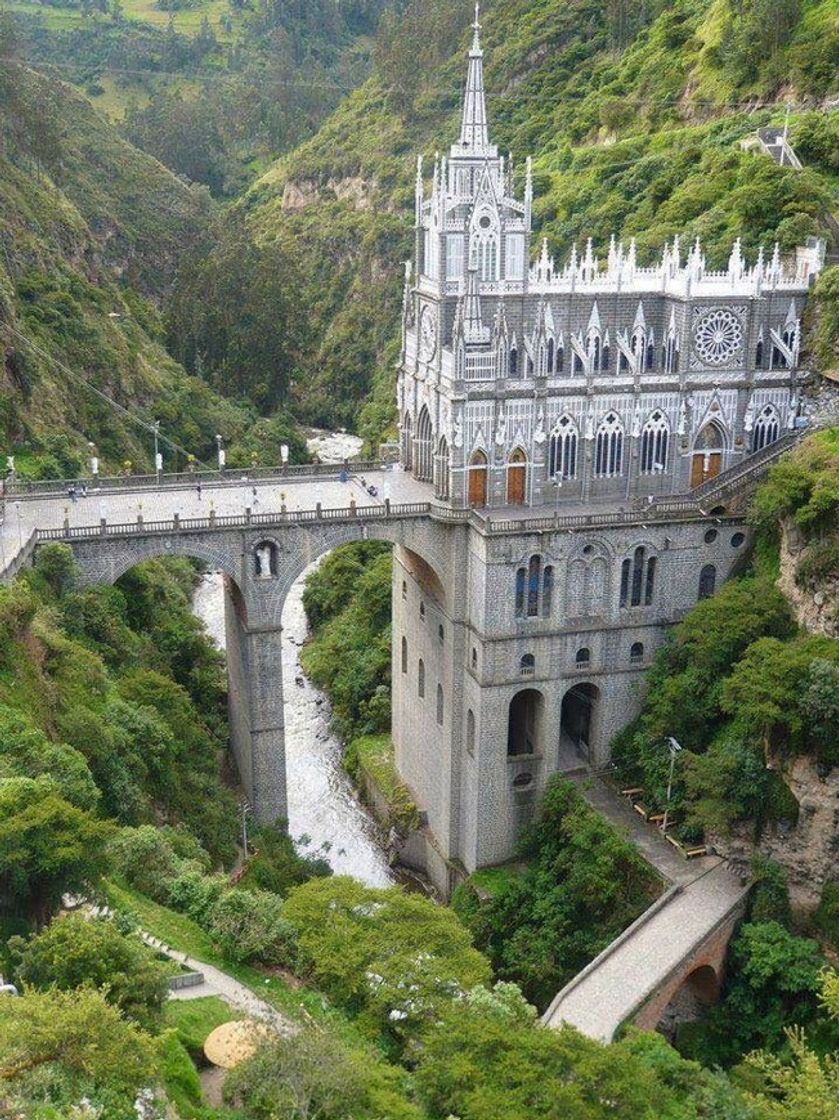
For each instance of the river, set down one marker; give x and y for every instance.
(323, 810)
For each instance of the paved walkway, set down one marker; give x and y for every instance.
(218, 983)
(699, 894)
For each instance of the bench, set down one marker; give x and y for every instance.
(641, 808)
(634, 791)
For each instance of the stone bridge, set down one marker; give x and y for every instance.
(670, 960)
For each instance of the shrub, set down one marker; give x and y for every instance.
(249, 926)
(146, 859)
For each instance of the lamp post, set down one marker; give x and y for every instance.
(94, 461)
(158, 458)
(674, 748)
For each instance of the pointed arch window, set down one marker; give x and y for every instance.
(421, 679)
(551, 353)
(562, 450)
(576, 364)
(608, 451)
(470, 733)
(424, 459)
(655, 438)
(759, 354)
(404, 655)
(767, 428)
(638, 579)
(559, 364)
(650, 355)
(514, 361)
(604, 358)
(440, 704)
(521, 580)
(636, 653)
(534, 573)
(547, 590)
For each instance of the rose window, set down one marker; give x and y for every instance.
(717, 337)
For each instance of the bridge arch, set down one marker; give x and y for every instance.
(261, 562)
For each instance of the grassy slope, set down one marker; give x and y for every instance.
(641, 142)
(83, 253)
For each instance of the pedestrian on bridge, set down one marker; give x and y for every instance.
(71, 494)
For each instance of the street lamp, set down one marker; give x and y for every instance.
(158, 458)
(674, 748)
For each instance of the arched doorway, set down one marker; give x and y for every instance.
(478, 479)
(524, 723)
(517, 478)
(707, 455)
(424, 458)
(578, 720)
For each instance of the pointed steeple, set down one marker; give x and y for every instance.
(473, 127)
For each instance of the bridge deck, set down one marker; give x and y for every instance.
(634, 966)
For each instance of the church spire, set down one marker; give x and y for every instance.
(473, 129)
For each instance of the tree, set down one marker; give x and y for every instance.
(81, 951)
(48, 847)
(83, 1040)
(312, 1075)
(26, 752)
(395, 959)
(489, 1058)
(807, 1087)
(236, 318)
(582, 885)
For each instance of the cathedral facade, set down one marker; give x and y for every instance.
(558, 402)
(530, 384)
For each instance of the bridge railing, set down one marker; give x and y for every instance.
(47, 488)
(378, 512)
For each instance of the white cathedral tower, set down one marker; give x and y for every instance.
(524, 383)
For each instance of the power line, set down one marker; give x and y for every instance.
(129, 414)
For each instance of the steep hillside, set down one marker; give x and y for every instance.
(92, 232)
(632, 111)
(215, 90)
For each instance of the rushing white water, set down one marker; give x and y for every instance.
(322, 807)
(333, 447)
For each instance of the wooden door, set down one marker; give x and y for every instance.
(516, 479)
(705, 465)
(478, 484)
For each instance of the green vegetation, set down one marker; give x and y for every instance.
(80, 951)
(582, 885)
(369, 759)
(93, 233)
(390, 958)
(58, 1047)
(347, 603)
(772, 983)
(738, 685)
